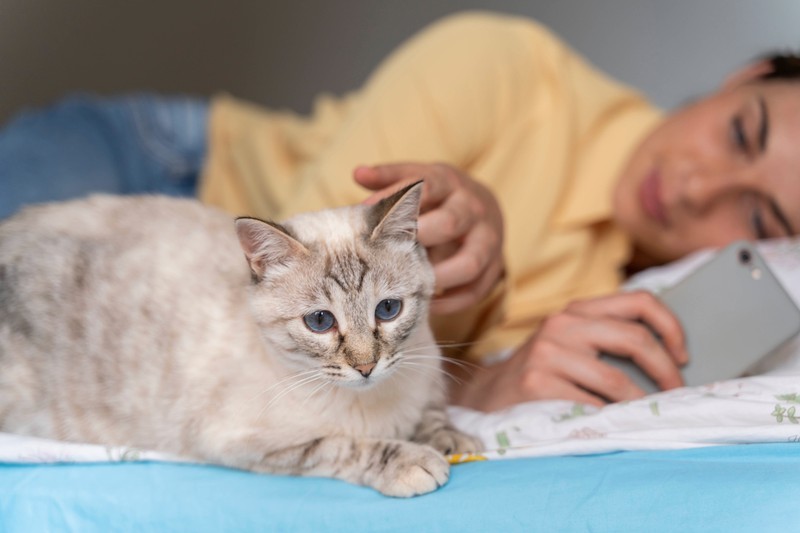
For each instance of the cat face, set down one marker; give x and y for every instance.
(342, 292)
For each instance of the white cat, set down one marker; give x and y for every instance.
(137, 321)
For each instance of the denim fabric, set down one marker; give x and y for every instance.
(140, 143)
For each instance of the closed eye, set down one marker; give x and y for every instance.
(738, 135)
(768, 220)
(757, 221)
(753, 142)
(763, 128)
(780, 215)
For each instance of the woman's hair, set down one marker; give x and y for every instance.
(785, 66)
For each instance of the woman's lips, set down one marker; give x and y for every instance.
(650, 198)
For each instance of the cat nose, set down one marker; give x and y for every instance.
(366, 369)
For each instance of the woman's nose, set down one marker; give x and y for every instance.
(701, 187)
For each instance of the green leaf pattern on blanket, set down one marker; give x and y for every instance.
(790, 398)
(782, 413)
(577, 409)
(503, 442)
(786, 413)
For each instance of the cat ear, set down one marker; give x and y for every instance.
(266, 243)
(395, 217)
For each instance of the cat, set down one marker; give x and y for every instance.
(300, 348)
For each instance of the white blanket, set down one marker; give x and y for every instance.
(763, 408)
(749, 410)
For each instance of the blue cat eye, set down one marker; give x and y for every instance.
(319, 321)
(388, 309)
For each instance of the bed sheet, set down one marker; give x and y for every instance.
(728, 488)
(574, 467)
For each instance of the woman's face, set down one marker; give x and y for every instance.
(722, 169)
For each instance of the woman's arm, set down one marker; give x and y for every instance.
(561, 360)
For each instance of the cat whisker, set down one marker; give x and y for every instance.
(454, 344)
(287, 390)
(332, 388)
(412, 365)
(423, 372)
(325, 383)
(467, 366)
(402, 368)
(464, 365)
(440, 348)
(428, 347)
(448, 344)
(282, 381)
(440, 369)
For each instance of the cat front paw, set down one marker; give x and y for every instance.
(448, 440)
(405, 469)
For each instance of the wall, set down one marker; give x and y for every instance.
(282, 53)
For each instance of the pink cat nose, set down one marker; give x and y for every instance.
(365, 370)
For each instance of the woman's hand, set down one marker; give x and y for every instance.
(561, 360)
(460, 224)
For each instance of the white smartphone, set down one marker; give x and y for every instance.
(734, 312)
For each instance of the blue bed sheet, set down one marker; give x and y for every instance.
(736, 488)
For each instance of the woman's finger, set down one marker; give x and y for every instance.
(565, 389)
(566, 346)
(643, 306)
(449, 222)
(591, 374)
(376, 177)
(478, 250)
(385, 180)
(464, 296)
(630, 339)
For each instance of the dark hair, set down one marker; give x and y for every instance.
(785, 66)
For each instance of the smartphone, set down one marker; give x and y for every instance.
(734, 312)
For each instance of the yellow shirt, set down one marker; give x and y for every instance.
(497, 96)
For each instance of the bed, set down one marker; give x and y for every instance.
(721, 457)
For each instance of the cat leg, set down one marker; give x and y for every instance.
(435, 430)
(393, 467)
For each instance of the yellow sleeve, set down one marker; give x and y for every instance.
(441, 97)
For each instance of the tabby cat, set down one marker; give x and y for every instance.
(138, 321)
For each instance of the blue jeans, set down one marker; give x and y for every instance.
(140, 143)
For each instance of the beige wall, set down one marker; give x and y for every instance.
(282, 53)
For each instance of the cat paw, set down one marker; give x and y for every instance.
(449, 440)
(407, 469)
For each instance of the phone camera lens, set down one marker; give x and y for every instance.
(744, 257)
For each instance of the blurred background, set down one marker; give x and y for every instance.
(282, 53)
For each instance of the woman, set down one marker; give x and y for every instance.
(550, 183)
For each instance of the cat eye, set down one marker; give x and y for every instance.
(319, 321)
(388, 309)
